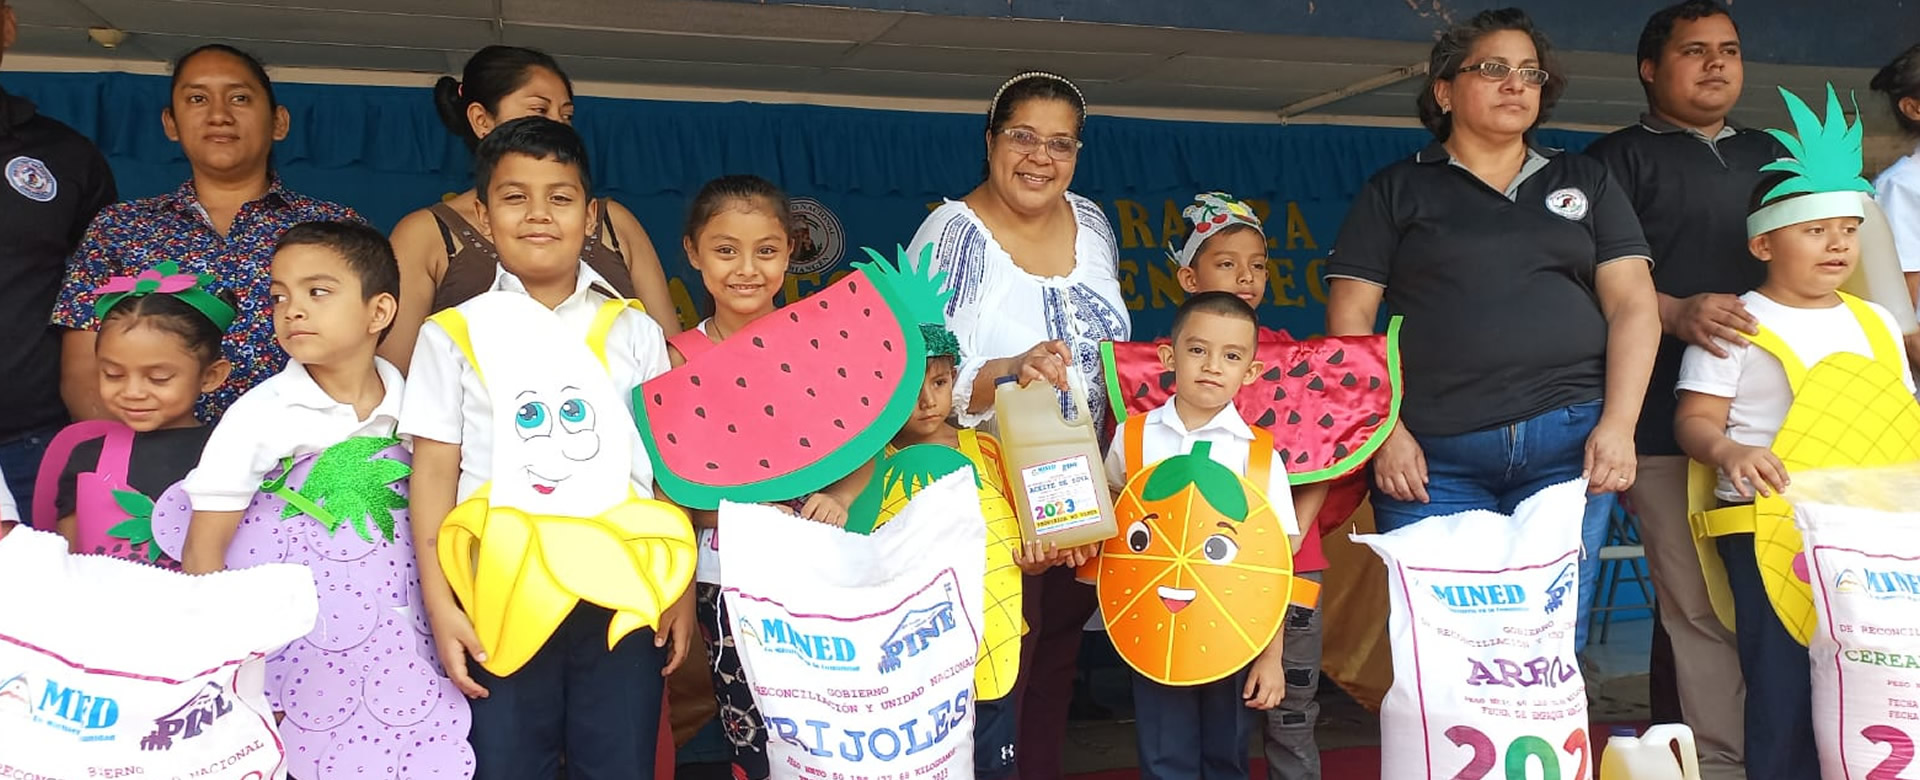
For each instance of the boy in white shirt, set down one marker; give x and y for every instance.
(541, 561)
(1732, 408)
(1201, 731)
(335, 287)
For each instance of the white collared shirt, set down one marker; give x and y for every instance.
(1898, 189)
(286, 416)
(446, 402)
(1166, 435)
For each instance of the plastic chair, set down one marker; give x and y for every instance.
(1623, 559)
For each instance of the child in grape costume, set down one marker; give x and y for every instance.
(158, 350)
(362, 693)
(1822, 384)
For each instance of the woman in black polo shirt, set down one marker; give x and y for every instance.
(1522, 273)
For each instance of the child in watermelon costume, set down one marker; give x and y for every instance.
(554, 582)
(1327, 402)
(1191, 728)
(1823, 383)
(305, 468)
(158, 352)
(738, 237)
(995, 729)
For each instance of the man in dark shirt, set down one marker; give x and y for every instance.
(56, 181)
(1690, 174)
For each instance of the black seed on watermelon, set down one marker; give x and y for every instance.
(1301, 459)
(656, 399)
(700, 412)
(842, 371)
(731, 428)
(758, 342)
(1300, 369)
(793, 316)
(811, 393)
(1272, 375)
(786, 368)
(1349, 380)
(1316, 384)
(1337, 356)
(852, 286)
(837, 423)
(1279, 394)
(879, 375)
(1372, 419)
(886, 344)
(1266, 419)
(672, 439)
(804, 442)
(1293, 418)
(1166, 380)
(1373, 383)
(1286, 456)
(843, 334)
(866, 312)
(1140, 392)
(823, 304)
(814, 342)
(712, 466)
(740, 380)
(764, 464)
(1340, 451)
(768, 409)
(695, 380)
(865, 401)
(1326, 420)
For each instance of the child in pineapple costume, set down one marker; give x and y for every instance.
(545, 564)
(158, 350)
(994, 726)
(305, 469)
(1822, 384)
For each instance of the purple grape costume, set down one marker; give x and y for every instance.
(363, 693)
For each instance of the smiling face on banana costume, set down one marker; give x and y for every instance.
(560, 522)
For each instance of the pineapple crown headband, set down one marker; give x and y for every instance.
(1211, 213)
(1824, 158)
(166, 279)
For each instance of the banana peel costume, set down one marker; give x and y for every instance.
(1848, 410)
(559, 523)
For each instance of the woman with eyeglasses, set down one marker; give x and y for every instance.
(1033, 272)
(1530, 318)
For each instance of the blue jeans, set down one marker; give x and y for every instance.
(1194, 732)
(1779, 738)
(598, 707)
(1497, 468)
(20, 461)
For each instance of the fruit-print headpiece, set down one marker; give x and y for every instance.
(1210, 213)
(166, 279)
(940, 341)
(1824, 158)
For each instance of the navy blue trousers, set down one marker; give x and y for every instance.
(1198, 732)
(1779, 741)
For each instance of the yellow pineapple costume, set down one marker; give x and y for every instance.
(1848, 410)
(559, 523)
(899, 474)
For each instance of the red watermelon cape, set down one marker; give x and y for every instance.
(1329, 402)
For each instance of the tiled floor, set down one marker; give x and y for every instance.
(1616, 686)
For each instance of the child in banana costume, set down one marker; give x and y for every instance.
(1822, 384)
(555, 555)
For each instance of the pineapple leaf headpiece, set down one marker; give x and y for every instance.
(1824, 160)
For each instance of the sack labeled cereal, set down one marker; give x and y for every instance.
(1485, 682)
(860, 649)
(110, 668)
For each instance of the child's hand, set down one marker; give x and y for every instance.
(823, 508)
(1078, 556)
(1034, 557)
(1754, 468)
(453, 635)
(1266, 679)
(679, 629)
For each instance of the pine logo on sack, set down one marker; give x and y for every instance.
(60, 708)
(190, 720)
(820, 651)
(1561, 588)
(916, 631)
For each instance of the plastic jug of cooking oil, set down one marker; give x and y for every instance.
(1650, 757)
(1055, 471)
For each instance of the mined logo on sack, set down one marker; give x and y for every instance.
(1880, 585)
(1475, 599)
(60, 708)
(31, 178)
(189, 720)
(820, 651)
(916, 631)
(818, 240)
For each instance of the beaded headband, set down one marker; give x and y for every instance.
(166, 279)
(1034, 74)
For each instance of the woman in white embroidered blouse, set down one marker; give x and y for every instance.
(1898, 187)
(1032, 268)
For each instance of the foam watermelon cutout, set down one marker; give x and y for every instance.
(801, 397)
(1329, 402)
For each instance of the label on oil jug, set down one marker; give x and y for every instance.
(1062, 494)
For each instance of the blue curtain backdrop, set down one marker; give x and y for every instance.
(383, 151)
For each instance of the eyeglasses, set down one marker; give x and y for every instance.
(1026, 142)
(1499, 71)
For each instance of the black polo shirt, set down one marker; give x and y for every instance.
(1502, 319)
(1691, 194)
(52, 182)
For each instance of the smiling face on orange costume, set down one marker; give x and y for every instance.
(1196, 584)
